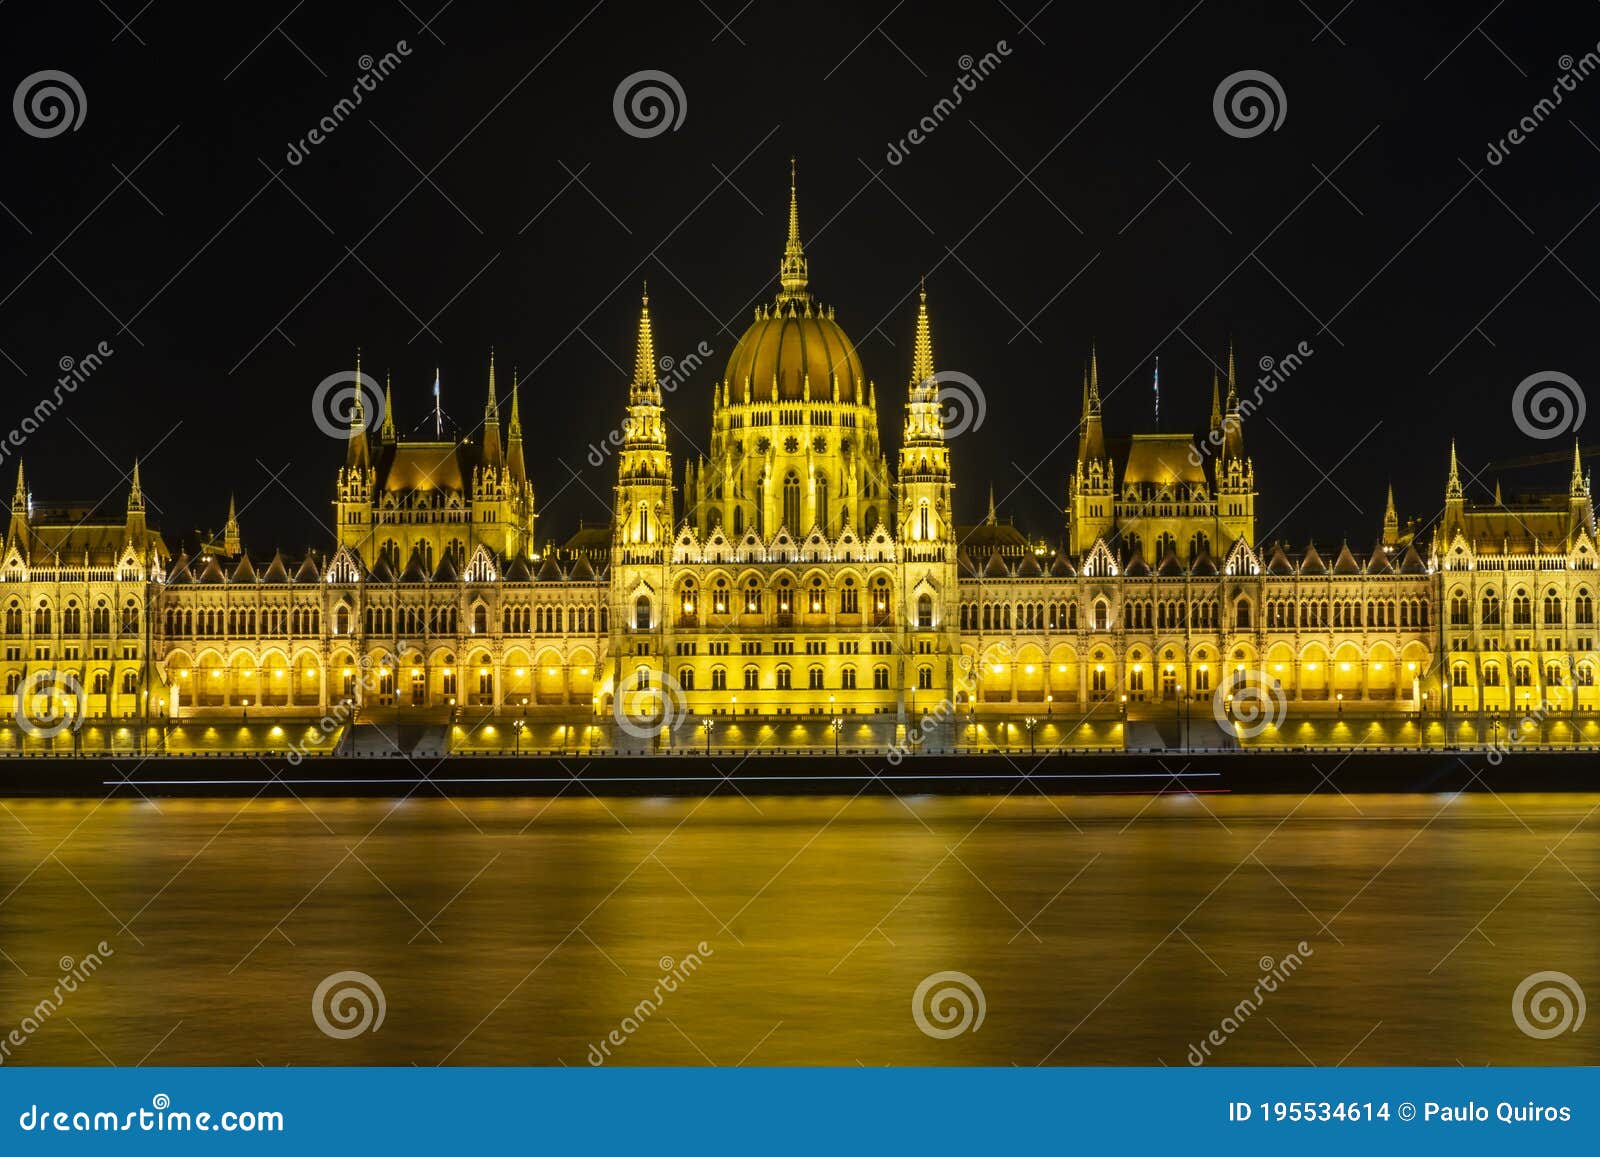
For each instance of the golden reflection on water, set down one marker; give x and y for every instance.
(1103, 930)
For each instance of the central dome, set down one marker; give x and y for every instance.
(787, 344)
(795, 340)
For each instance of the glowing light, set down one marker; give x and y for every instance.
(1344, 666)
(998, 669)
(1029, 668)
(1277, 666)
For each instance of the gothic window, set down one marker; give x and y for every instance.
(1491, 675)
(1460, 615)
(752, 597)
(819, 597)
(925, 678)
(813, 678)
(847, 678)
(752, 678)
(925, 612)
(849, 598)
(822, 499)
(1552, 608)
(480, 619)
(686, 678)
(1522, 674)
(1521, 608)
(1491, 609)
(1582, 608)
(71, 620)
(1241, 615)
(791, 501)
(880, 678)
(41, 619)
(719, 678)
(641, 613)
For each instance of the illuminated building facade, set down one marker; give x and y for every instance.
(795, 578)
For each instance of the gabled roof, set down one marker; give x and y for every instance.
(581, 570)
(277, 571)
(965, 565)
(211, 572)
(1311, 562)
(549, 572)
(1346, 562)
(244, 572)
(996, 567)
(517, 572)
(1030, 567)
(1137, 567)
(307, 572)
(381, 571)
(416, 571)
(1279, 562)
(1203, 565)
(446, 573)
(1379, 562)
(1062, 567)
(1411, 562)
(1170, 566)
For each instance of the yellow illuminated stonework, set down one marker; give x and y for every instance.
(796, 591)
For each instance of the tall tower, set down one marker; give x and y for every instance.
(1235, 473)
(1580, 504)
(357, 478)
(1391, 522)
(17, 535)
(926, 530)
(1091, 489)
(641, 525)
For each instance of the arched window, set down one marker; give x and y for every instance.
(1491, 674)
(1521, 608)
(822, 501)
(686, 678)
(819, 597)
(925, 612)
(1552, 608)
(1460, 613)
(880, 678)
(1241, 615)
(1491, 609)
(1583, 608)
(641, 613)
(480, 619)
(813, 678)
(925, 678)
(849, 598)
(752, 679)
(752, 597)
(719, 678)
(847, 678)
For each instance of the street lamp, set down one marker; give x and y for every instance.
(1049, 705)
(1030, 723)
(838, 726)
(1183, 721)
(706, 726)
(1340, 697)
(517, 726)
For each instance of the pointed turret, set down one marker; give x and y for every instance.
(230, 531)
(1391, 522)
(516, 464)
(991, 519)
(17, 535)
(1092, 438)
(491, 423)
(1233, 381)
(358, 452)
(1452, 487)
(922, 348)
(1216, 403)
(386, 432)
(136, 523)
(1577, 488)
(792, 274)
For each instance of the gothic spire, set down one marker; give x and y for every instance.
(358, 453)
(230, 531)
(135, 490)
(1094, 379)
(922, 350)
(491, 423)
(1452, 487)
(386, 430)
(1391, 521)
(991, 519)
(646, 387)
(1216, 403)
(491, 409)
(1577, 489)
(1233, 381)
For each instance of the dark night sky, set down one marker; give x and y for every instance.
(540, 216)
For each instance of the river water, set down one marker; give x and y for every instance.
(1094, 930)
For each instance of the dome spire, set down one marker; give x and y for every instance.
(792, 269)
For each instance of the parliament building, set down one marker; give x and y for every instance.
(799, 585)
